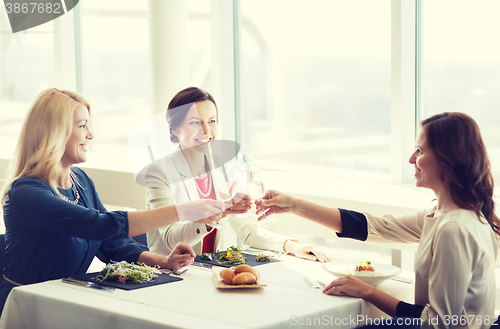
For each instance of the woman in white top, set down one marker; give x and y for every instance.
(458, 238)
(186, 176)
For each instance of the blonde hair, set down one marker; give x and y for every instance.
(43, 138)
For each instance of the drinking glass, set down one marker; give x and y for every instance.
(227, 191)
(257, 190)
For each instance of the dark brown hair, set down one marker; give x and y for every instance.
(180, 104)
(465, 169)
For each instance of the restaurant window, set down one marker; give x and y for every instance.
(116, 69)
(315, 86)
(26, 68)
(461, 65)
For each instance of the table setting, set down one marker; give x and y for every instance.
(287, 289)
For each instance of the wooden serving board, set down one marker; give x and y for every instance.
(219, 284)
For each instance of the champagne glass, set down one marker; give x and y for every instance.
(245, 188)
(257, 190)
(226, 192)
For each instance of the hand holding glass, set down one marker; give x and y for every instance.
(235, 202)
(256, 190)
(227, 192)
(203, 211)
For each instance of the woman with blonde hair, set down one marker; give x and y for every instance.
(55, 222)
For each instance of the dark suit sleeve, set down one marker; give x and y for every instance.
(354, 225)
(123, 249)
(409, 310)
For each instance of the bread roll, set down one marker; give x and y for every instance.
(246, 268)
(244, 278)
(227, 275)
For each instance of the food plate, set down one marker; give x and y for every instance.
(161, 279)
(384, 271)
(251, 260)
(219, 284)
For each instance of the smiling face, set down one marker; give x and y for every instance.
(427, 171)
(199, 126)
(80, 138)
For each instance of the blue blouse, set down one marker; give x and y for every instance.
(49, 238)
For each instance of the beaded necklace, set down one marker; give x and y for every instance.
(76, 193)
(72, 201)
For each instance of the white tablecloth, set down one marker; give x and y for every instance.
(286, 301)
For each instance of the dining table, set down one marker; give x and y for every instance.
(291, 298)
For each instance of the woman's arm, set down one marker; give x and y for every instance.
(202, 211)
(352, 286)
(279, 203)
(181, 256)
(329, 217)
(308, 251)
(247, 230)
(37, 206)
(347, 223)
(159, 194)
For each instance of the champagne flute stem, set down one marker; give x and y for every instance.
(211, 156)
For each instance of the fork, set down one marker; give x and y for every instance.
(180, 271)
(311, 283)
(89, 284)
(321, 284)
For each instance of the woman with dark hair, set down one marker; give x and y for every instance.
(187, 175)
(458, 238)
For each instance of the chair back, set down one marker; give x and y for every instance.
(2, 252)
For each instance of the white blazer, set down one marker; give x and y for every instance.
(169, 181)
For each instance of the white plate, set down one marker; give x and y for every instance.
(384, 271)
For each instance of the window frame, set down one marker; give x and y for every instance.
(226, 48)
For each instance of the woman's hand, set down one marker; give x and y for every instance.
(350, 286)
(307, 251)
(274, 202)
(203, 211)
(182, 255)
(240, 204)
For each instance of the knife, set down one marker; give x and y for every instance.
(88, 284)
(202, 265)
(402, 279)
(174, 272)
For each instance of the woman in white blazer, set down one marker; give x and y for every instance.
(186, 176)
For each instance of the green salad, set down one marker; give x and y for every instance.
(206, 256)
(233, 255)
(127, 272)
(262, 258)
